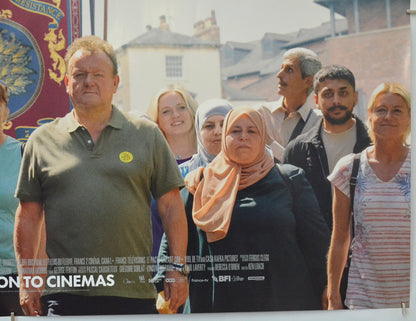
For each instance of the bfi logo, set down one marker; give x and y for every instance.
(222, 278)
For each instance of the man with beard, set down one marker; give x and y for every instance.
(338, 134)
(294, 113)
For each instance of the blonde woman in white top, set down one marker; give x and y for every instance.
(379, 274)
(173, 109)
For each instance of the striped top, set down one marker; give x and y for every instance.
(379, 275)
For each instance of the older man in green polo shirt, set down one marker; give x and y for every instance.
(90, 176)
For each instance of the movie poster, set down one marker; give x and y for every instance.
(36, 101)
(34, 36)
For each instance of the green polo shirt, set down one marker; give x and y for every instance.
(97, 202)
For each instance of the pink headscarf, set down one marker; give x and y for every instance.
(214, 195)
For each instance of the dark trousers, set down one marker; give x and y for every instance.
(69, 304)
(9, 299)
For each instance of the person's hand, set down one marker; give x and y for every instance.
(335, 303)
(162, 305)
(30, 301)
(325, 299)
(176, 289)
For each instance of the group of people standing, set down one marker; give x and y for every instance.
(252, 193)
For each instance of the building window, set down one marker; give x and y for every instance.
(173, 66)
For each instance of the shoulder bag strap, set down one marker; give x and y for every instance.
(353, 183)
(299, 126)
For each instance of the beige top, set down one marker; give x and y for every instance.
(337, 145)
(280, 124)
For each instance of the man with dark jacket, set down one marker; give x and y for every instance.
(339, 133)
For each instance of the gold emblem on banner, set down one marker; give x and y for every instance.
(15, 63)
(7, 125)
(56, 43)
(6, 14)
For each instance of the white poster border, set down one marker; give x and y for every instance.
(339, 315)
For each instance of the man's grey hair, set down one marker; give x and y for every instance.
(308, 61)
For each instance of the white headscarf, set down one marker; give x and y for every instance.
(205, 110)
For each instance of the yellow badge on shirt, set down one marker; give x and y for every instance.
(126, 157)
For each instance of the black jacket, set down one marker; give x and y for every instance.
(307, 151)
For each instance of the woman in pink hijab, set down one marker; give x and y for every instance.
(259, 225)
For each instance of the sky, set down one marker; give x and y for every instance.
(239, 20)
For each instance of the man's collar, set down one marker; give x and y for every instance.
(71, 123)
(305, 109)
(116, 120)
(302, 110)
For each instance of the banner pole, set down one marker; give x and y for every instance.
(92, 16)
(105, 18)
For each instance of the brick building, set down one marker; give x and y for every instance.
(373, 41)
(377, 47)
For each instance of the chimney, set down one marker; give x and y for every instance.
(207, 29)
(163, 24)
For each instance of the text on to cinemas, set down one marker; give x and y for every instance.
(58, 281)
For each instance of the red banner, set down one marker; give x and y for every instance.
(34, 36)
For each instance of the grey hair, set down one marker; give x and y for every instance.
(308, 61)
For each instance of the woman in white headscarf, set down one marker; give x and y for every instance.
(208, 126)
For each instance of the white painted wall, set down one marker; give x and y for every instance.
(143, 70)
